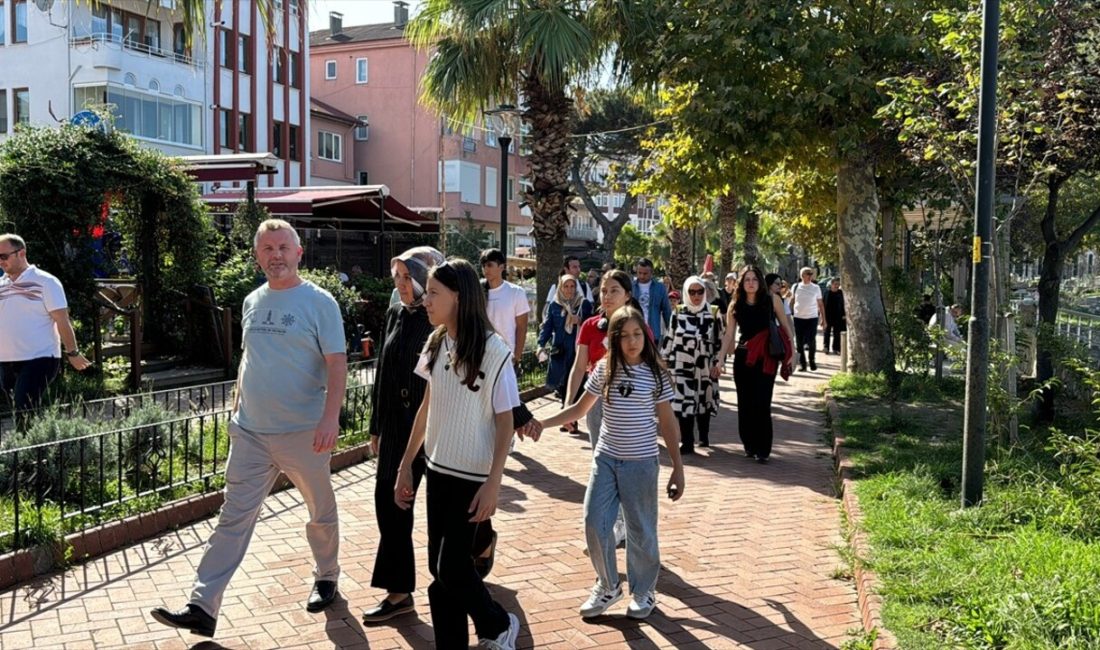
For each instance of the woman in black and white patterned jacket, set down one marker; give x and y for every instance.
(690, 348)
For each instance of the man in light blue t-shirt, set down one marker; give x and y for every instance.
(286, 416)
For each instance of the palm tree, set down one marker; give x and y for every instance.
(490, 51)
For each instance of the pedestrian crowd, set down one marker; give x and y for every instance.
(636, 362)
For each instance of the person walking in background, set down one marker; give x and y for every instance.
(281, 421)
(836, 320)
(34, 327)
(593, 285)
(652, 296)
(465, 426)
(395, 397)
(809, 310)
(778, 287)
(633, 386)
(506, 303)
(754, 368)
(690, 348)
(559, 331)
(674, 300)
(570, 266)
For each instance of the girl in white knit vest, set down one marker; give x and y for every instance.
(465, 426)
(632, 385)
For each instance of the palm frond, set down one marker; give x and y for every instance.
(557, 43)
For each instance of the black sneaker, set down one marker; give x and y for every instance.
(191, 618)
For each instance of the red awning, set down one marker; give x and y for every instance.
(230, 167)
(352, 207)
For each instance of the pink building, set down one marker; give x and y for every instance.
(333, 137)
(372, 73)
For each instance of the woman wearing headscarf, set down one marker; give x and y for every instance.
(690, 348)
(559, 330)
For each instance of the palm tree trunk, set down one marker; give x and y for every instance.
(857, 218)
(679, 259)
(752, 238)
(550, 114)
(727, 232)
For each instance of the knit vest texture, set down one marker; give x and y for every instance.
(461, 429)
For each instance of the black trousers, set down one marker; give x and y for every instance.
(394, 564)
(457, 591)
(805, 334)
(834, 330)
(27, 380)
(754, 405)
(687, 429)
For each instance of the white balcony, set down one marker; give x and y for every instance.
(583, 233)
(111, 51)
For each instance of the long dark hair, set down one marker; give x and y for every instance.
(616, 361)
(625, 281)
(474, 327)
(763, 292)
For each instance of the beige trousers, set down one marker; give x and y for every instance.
(255, 460)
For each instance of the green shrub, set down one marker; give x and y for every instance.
(346, 297)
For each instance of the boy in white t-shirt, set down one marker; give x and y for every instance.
(506, 303)
(808, 310)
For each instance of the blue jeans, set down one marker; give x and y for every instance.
(631, 485)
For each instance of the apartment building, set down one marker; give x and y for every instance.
(372, 73)
(234, 89)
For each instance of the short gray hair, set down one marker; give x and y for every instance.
(15, 240)
(275, 224)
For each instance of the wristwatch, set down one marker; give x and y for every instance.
(73, 353)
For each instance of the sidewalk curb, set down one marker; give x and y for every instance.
(867, 583)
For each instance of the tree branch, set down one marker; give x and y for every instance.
(1079, 233)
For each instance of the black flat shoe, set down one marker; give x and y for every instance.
(387, 610)
(322, 595)
(704, 443)
(484, 565)
(191, 618)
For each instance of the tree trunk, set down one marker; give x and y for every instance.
(679, 259)
(752, 238)
(550, 114)
(610, 228)
(727, 232)
(857, 216)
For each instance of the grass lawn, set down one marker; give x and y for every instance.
(1021, 571)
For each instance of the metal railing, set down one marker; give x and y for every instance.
(65, 486)
(135, 45)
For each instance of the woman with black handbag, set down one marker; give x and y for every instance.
(754, 314)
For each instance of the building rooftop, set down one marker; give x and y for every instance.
(330, 111)
(356, 34)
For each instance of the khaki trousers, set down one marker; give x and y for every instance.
(255, 460)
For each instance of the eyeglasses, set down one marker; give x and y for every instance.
(696, 292)
(4, 256)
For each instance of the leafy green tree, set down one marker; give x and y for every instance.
(629, 246)
(467, 239)
(489, 51)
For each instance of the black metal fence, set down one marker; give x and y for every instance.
(54, 488)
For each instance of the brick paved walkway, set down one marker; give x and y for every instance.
(748, 558)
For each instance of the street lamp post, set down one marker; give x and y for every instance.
(505, 120)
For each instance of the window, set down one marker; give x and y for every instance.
(491, 187)
(3, 110)
(132, 37)
(244, 53)
(151, 36)
(178, 48)
(330, 69)
(22, 106)
(294, 62)
(364, 178)
(244, 132)
(223, 129)
(3, 23)
(280, 65)
(329, 146)
(277, 139)
(512, 189)
(490, 135)
(292, 142)
(19, 35)
(294, 7)
(360, 71)
(362, 132)
(225, 52)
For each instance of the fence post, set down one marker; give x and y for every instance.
(135, 348)
(1011, 376)
(227, 341)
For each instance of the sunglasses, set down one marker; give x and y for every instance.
(696, 292)
(4, 256)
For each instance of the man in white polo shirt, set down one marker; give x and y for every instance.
(808, 310)
(506, 303)
(34, 323)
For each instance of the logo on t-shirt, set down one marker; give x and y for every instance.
(271, 321)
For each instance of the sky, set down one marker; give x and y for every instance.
(356, 12)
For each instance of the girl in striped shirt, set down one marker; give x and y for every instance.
(632, 385)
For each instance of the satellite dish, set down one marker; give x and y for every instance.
(44, 5)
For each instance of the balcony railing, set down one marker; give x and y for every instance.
(115, 40)
(581, 232)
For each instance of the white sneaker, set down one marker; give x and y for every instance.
(507, 638)
(600, 600)
(641, 605)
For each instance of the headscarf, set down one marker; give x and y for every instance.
(686, 303)
(573, 307)
(419, 261)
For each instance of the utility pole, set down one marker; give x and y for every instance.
(977, 357)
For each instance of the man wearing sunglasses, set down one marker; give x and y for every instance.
(34, 323)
